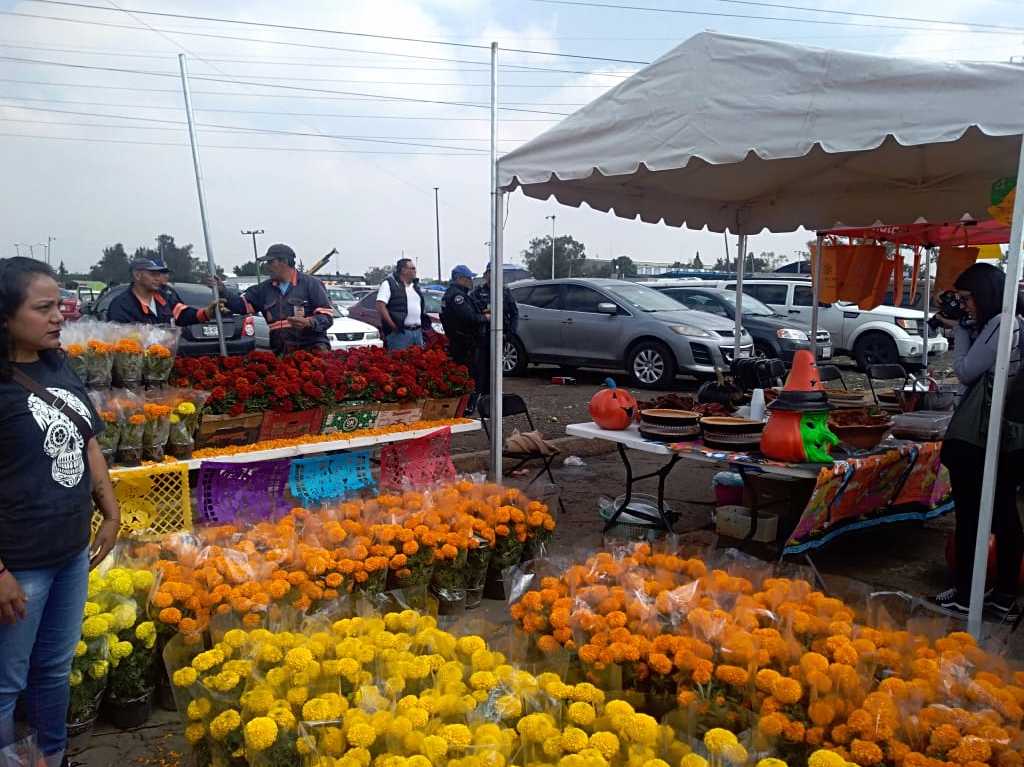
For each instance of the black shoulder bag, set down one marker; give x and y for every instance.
(61, 405)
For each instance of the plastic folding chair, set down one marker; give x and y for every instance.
(514, 405)
(890, 372)
(828, 373)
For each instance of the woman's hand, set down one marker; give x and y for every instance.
(946, 321)
(104, 541)
(13, 603)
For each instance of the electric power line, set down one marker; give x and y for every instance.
(322, 30)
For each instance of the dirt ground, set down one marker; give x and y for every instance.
(904, 557)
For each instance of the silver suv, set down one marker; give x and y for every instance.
(616, 324)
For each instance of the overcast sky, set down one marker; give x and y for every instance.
(93, 156)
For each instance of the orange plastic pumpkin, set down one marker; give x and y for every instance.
(781, 439)
(612, 408)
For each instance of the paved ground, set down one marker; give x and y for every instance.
(900, 557)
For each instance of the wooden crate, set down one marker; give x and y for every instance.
(223, 430)
(289, 425)
(438, 409)
(400, 413)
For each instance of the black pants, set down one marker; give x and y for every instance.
(966, 464)
(482, 370)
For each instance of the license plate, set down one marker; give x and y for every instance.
(826, 352)
(209, 331)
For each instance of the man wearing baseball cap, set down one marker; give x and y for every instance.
(465, 323)
(295, 305)
(151, 301)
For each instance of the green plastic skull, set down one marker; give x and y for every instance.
(818, 440)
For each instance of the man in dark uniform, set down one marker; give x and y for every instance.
(510, 319)
(150, 300)
(295, 305)
(465, 324)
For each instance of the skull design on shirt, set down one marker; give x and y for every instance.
(62, 441)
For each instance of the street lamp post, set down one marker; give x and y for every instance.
(255, 253)
(552, 217)
(437, 229)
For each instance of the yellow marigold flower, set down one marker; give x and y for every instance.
(94, 626)
(224, 724)
(417, 760)
(641, 728)
(236, 638)
(717, 739)
(509, 706)
(825, 758)
(582, 713)
(655, 763)
(483, 680)
(606, 743)
(121, 650)
(145, 631)
(124, 616)
(552, 747)
(120, 583)
(771, 761)
(205, 661)
(468, 645)
(297, 659)
(693, 760)
(735, 753)
(260, 733)
(457, 736)
(90, 609)
(435, 748)
(587, 693)
(195, 732)
(198, 709)
(76, 678)
(184, 677)
(618, 708)
(142, 580)
(281, 712)
(573, 739)
(361, 735)
(81, 649)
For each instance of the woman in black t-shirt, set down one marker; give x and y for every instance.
(50, 472)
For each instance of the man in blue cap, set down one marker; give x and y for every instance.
(150, 300)
(465, 323)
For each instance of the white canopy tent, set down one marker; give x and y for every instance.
(740, 134)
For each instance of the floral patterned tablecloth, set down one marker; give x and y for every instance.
(898, 481)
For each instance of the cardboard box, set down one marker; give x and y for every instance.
(290, 425)
(438, 409)
(400, 413)
(734, 521)
(352, 416)
(224, 430)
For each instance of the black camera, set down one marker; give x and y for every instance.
(951, 307)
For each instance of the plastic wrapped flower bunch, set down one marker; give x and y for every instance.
(114, 627)
(395, 691)
(308, 559)
(773, 654)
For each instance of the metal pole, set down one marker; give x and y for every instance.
(437, 228)
(740, 260)
(49, 250)
(255, 253)
(497, 285)
(815, 294)
(1008, 321)
(552, 217)
(202, 203)
(17, 249)
(927, 304)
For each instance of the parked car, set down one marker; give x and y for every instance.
(200, 339)
(70, 305)
(366, 309)
(775, 335)
(360, 290)
(614, 324)
(344, 333)
(883, 335)
(342, 298)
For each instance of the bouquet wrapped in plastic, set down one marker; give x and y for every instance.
(133, 427)
(109, 411)
(98, 354)
(129, 357)
(156, 430)
(73, 340)
(161, 345)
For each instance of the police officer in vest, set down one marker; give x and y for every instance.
(151, 301)
(464, 321)
(402, 310)
(295, 305)
(510, 322)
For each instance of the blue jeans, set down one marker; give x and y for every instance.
(403, 339)
(36, 652)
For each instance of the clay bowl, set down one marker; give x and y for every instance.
(731, 433)
(861, 437)
(668, 417)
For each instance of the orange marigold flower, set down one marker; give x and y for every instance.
(787, 690)
(170, 615)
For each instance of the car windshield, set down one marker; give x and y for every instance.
(340, 294)
(644, 299)
(751, 306)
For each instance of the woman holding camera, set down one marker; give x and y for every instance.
(976, 338)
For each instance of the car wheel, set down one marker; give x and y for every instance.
(875, 348)
(652, 366)
(513, 362)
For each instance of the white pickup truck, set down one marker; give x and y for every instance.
(884, 335)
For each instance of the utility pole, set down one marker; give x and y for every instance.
(17, 249)
(255, 253)
(552, 217)
(49, 249)
(437, 227)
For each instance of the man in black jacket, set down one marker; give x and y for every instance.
(151, 301)
(510, 320)
(403, 313)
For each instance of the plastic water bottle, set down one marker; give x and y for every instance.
(757, 405)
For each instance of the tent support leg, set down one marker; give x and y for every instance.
(815, 296)
(927, 305)
(741, 257)
(995, 421)
(497, 286)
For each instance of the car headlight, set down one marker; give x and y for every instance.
(791, 334)
(690, 330)
(907, 324)
(371, 335)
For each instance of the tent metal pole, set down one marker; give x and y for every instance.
(815, 296)
(197, 166)
(927, 305)
(995, 421)
(741, 249)
(497, 285)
